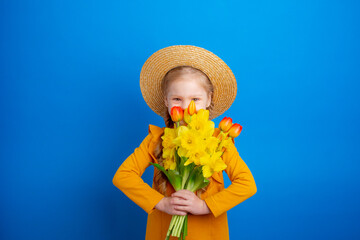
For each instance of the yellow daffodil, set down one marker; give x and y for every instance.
(182, 152)
(188, 138)
(204, 160)
(170, 164)
(168, 153)
(168, 137)
(225, 143)
(211, 144)
(195, 155)
(215, 164)
(200, 123)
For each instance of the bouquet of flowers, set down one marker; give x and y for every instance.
(192, 152)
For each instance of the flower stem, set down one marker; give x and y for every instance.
(179, 226)
(172, 223)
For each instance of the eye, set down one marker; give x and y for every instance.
(196, 99)
(176, 99)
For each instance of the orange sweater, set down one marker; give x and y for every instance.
(218, 199)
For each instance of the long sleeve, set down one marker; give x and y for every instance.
(128, 178)
(242, 184)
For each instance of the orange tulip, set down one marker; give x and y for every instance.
(225, 124)
(235, 130)
(177, 114)
(192, 108)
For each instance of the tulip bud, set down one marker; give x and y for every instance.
(187, 117)
(225, 124)
(192, 108)
(177, 114)
(235, 130)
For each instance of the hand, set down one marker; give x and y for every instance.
(187, 201)
(166, 205)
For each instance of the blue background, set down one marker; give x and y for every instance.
(72, 111)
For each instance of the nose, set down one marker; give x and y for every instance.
(185, 104)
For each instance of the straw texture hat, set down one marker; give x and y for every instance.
(162, 61)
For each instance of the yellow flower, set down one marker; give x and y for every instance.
(182, 152)
(168, 153)
(212, 144)
(195, 156)
(204, 160)
(170, 164)
(179, 131)
(207, 171)
(225, 143)
(187, 138)
(192, 108)
(200, 122)
(187, 117)
(168, 137)
(169, 158)
(214, 164)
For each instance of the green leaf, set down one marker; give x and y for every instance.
(203, 184)
(186, 226)
(173, 176)
(186, 173)
(175, 179)
(158, 166)
(178, 161)
(196, 180)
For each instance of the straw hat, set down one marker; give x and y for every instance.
(162, 61)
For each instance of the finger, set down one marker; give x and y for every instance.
(178, 201)
(178, 212)
(179, 194)
(187, 193)
(182, 208)
(183, 194)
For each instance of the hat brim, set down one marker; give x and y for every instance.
(162, 61)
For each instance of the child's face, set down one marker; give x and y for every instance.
(185, 88)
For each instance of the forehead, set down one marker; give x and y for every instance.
(187, 85)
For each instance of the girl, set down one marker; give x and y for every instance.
(174, 76)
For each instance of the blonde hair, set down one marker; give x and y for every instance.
(160, 179)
